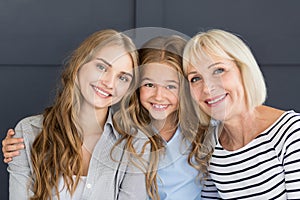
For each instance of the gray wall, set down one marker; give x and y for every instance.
(36, 36)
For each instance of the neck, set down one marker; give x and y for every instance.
(239, 130)
(242, 129)
(92, 120)
(166, 127)
(92, 124)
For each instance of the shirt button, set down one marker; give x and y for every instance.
(88, 186)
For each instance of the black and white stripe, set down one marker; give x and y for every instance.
(266, 168)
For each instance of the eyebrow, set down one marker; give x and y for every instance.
(110, 65)
(128, 74)
(149, 79)
(107, 63)
(214, 64)
(210, 66)
(192, 72)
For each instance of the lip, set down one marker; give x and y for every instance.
(101, 92)
(216, 100)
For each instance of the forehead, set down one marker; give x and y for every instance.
(202, 61)
(115, 55)
(207, 54)
(159, 71)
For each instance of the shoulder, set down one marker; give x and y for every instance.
(141, 142)
(286, 130)
(278, 121)
(29, 126)
(288, 121)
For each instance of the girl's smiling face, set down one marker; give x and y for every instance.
(216, 85)
(159, 90)
(105, 79)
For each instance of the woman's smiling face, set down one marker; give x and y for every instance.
(216, 85)
(105, 79)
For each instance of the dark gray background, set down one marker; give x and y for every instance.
(37, 35)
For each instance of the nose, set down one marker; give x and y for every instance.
(108, 79)
(159, 93)
(209, 86)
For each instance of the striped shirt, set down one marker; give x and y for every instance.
(266, 168)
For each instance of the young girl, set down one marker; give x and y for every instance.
(68, 151)
(161, 109)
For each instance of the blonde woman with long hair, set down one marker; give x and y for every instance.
(72, 150)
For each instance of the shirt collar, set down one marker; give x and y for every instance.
(109, 124)
(38, 122)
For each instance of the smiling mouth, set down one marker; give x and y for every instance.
(98, 90)
(159, 106)
(216, 100)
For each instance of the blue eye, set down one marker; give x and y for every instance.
(219, 71)
(195, 79)
(124, 78)
(101, 67)
(171, 87)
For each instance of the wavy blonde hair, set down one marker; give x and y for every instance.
(56, 152)
(165, 50)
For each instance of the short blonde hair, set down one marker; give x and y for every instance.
(226, 45)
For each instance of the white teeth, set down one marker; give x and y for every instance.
(216, 100)
(101, 92)
(159, 106)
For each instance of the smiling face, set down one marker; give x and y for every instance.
(216, 84)
(105, 79)
(159, 90)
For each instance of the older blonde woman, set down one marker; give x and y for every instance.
(256, 152)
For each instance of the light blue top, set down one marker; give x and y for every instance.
(176, 178)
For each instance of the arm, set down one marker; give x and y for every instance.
(20, 176)
(133, 186)
(291, 160)
(209, 190)
(11, 146)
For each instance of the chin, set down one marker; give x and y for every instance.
(158, 118)
(221, 116)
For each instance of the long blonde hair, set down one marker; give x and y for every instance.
(165, 50)
(56, 152)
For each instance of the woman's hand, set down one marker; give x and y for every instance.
(11, 146)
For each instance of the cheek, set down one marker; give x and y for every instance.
(174, 97)
(195, 92)
(144, 94)
(121, 86)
